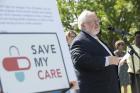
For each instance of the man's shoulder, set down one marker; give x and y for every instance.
(80, 37)
(79, 41)
(83, 36)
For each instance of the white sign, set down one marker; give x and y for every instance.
(33, 27)
(32, 62)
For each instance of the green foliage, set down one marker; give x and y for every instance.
(121, 14)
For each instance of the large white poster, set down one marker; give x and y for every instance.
(34, 53)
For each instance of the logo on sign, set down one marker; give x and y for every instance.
(16, 64)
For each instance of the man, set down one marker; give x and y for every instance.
(135, 71)
(96, 65)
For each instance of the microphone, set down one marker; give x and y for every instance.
(121, 32)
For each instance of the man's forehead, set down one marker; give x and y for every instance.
(92, 17)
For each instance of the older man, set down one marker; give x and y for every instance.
(94, 61)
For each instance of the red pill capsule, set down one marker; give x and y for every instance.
(16, 63)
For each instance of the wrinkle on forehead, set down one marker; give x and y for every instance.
(91, 17)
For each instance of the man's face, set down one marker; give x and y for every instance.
(137, 40)
(93, 25)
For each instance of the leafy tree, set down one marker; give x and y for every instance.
(120, 14)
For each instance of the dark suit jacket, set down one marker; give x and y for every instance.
(88, 56)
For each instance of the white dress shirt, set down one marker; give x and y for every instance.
(107, 62)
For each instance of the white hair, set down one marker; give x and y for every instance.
(83, 17)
